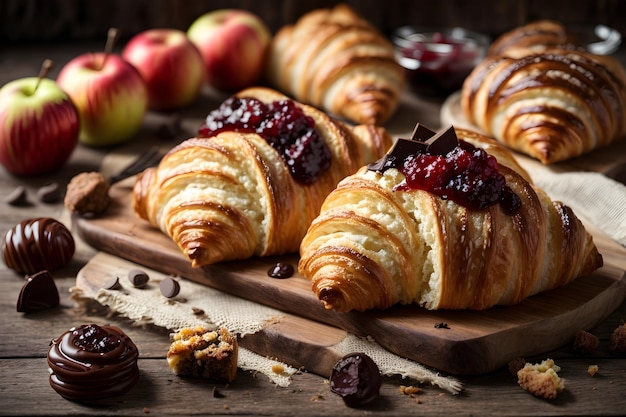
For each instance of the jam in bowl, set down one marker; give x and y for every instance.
(437, 62)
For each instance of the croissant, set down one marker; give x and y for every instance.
(377, 243)
(534, 37)
(337, 61)
(553, 106)
(232, 195)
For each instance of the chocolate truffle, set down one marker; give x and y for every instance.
(38, 244)
(93, 362)
(356, 378)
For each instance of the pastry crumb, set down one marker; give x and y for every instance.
(593, 369)
(409, 390)
(515, 365)
(541, 379)
(585, 342)
(278, 369)
(618, 340)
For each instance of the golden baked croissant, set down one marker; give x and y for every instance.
(377, 242)
(534, 37)
(337, 61)
(234, 195)
(553, 106)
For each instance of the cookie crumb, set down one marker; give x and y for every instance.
(593, 369)
(618, 340)
(87, 192)
(541, 380)
(409, 390)
(585, 343)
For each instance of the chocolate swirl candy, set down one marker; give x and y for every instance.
(93, 362)
(37, 244)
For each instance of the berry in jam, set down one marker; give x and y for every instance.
(93, 338)
(283, 125)
(466, 175)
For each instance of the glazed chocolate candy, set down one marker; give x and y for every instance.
(39, 292)
(38, 244)
(356, 378)
(92, 362)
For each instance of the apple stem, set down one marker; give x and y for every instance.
(45, 69)
(112, 35)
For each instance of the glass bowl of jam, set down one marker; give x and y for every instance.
(437, 61)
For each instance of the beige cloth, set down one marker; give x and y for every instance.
(148, 306)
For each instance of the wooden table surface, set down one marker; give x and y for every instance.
(25, 338)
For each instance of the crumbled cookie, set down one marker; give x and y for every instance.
(88, 192)
(204, 353)
(515, 365)
(541, 379)
(618, 340)
(593, 369)
(585, 343)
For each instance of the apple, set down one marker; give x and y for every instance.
(170, 64)
(110, 94)
(234, 45)
(39, 125)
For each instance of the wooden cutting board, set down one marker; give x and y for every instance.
(473, 342)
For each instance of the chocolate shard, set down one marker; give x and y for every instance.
(443, 142)
(421, 133)
(423, 140)
(39, 292)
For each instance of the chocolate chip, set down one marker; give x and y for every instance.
(39, 292)
(18, 197)
(443, 142)
(50, 193)
(138, 278)
(442, 325)
(281, 270)
(217, 393)
(169, 287)
(113, 284)
(421, 133)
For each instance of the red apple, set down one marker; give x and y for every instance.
(233, 43)
(110, 94)
(39, 126)
(170, 64)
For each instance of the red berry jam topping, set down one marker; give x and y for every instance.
(283, 125)
(458, 171)
(95, 339)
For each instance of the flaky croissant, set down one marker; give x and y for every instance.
(337, 61)
(532, 38)
(376, 244)
(552, 105)
(231, 196)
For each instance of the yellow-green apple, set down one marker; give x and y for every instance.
(170, 64)
(39, 126)
(234, 44)
(110, 94)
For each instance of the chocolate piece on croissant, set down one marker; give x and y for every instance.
(552, 106)
(337, 61)
(232, 195)
(377, 243)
